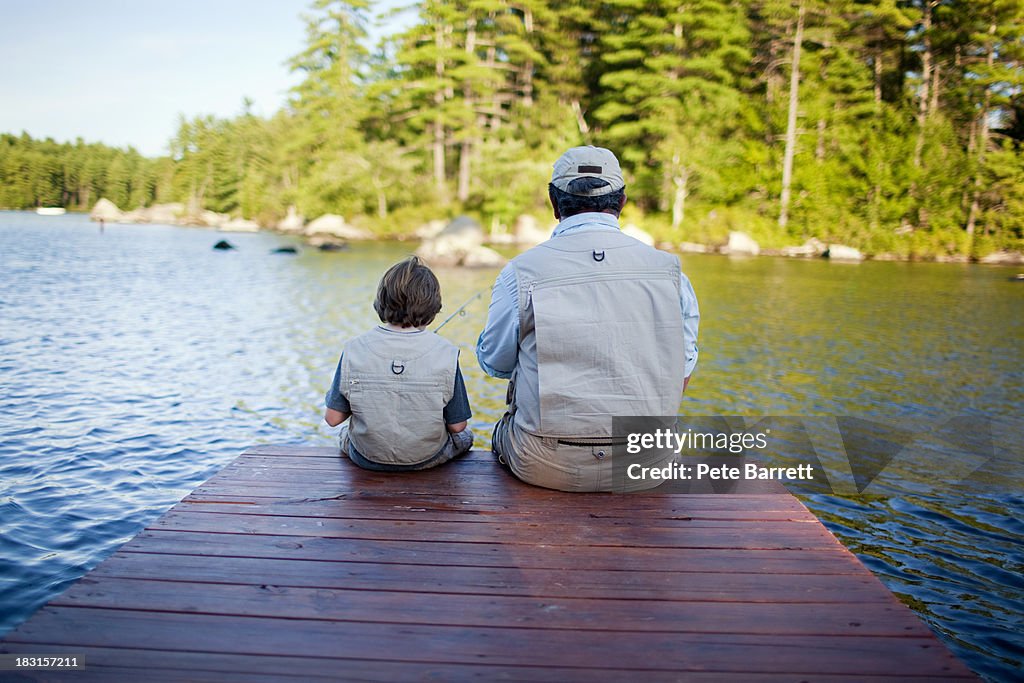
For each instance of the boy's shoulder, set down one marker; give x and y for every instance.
(426, 340)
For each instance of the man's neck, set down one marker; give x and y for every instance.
(610, 212)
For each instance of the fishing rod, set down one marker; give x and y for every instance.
(461, 310)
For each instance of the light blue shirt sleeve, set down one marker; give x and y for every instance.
(497, 348)
(691, 321)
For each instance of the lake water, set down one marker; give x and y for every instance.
(137, 362)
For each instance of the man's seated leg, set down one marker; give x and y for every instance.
(501, 441)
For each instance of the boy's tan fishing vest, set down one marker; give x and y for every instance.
(398, 385)
(600, 335)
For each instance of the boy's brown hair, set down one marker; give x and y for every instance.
(408, 295)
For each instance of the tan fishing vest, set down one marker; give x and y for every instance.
(600, 335)
(398, 385)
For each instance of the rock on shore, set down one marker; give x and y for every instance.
(173, 213)
(526, 231)
(636, 233)
(105, 210)
(335, 226)
(240, 225)
(742, 244)
(838, 252)
(212, 218)
(1003, 258)
(293, 222)
(812, 248)
(165, 214)
(429, 230)
(460, 244)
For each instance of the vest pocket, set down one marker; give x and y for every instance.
(398, 421)
(606, 346)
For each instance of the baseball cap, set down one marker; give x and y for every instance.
(588, 162)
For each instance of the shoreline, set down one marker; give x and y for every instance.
(340, 233)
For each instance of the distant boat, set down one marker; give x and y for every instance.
(51, 211)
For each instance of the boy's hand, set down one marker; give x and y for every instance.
(335, 417)
(457, 427)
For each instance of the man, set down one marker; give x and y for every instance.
(588, 325)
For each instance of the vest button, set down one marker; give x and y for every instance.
(600, 455)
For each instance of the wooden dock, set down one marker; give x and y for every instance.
(292, 564)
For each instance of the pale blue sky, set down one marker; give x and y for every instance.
(121, 71)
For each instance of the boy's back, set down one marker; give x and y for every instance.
(400, 384)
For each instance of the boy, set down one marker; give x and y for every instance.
(401, 385)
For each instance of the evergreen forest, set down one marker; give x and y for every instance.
(895, 126)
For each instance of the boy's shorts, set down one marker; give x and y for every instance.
(458, 444)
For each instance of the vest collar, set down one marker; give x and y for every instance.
(394, 330)
(589, 220)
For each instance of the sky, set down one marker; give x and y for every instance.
(122, 72)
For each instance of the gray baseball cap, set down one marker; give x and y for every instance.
(588, 162)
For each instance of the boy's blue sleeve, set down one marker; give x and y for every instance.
(334, 399)
(458, 409)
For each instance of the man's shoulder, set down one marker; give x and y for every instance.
(529, 253)
(575, 241)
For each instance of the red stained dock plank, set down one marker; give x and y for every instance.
(291, 564)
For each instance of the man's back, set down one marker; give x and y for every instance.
(587, 326)
(599, 334)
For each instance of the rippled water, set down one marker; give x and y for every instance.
(137, 362)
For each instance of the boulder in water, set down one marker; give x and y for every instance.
(285, 250)
(223, 245)
(327, 244)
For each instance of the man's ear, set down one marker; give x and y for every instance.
(554, 205)
(622, 204)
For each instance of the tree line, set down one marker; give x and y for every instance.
(892, 125)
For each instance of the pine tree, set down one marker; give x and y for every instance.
(325, 147)
(994, 75)
(671, 99)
